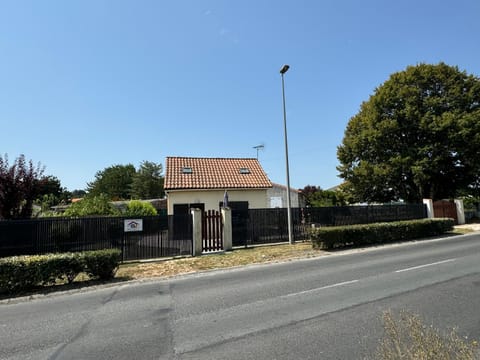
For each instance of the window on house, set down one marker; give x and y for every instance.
(244, 171)
(187, 170)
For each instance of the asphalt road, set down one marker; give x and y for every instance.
(323, 308)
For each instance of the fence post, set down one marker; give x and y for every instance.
(460, 211)
(197, 232)
(123, 246)
(429, 204)
(227, 228)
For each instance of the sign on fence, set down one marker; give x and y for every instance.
(131, 225)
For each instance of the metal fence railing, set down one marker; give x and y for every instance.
(267, 226)
(350, 215)
(264, 226)
(49, 235)
(172, 235)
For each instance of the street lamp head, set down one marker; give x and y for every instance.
(284, 69)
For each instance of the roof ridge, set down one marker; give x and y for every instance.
(211, 158)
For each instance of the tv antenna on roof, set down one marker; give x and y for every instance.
(259, 147)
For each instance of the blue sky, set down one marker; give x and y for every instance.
(89, 84)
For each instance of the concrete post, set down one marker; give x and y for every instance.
(227, 229)
(197, 232)
(429, 203)
(460, 211)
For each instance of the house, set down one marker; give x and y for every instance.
(193, 182)
(277, 196)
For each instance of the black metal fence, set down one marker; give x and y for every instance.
(471, 214)
(266, 226)
(40, 236)
(350, 215)
(172, 235)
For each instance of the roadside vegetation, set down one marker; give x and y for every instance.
(329, 238)
(406, 337)
(239, 257)
(28, 273)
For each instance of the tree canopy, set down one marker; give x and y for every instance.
(418, 136)
(92, 206)
(148, 181)
(115, 182)
(18, 187)
(78, 193)
(316, 197)
(123, 182)
(49, 192)
(50, 184)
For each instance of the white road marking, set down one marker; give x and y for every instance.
(320, 288)
(425, 265)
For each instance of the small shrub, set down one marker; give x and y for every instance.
(407, 338)
(18, 273)
(64, 266)
(101, 264)
(140, 208)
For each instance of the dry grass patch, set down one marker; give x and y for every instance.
(406, 337)
(239, 257)
(465, 229)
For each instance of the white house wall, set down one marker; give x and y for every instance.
(277, 197)
(257, 198)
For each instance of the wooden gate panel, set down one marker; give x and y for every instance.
(445, 209)
(212, 231)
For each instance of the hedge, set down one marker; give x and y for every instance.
(356, 235)
(20, 273)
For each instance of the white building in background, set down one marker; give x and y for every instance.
(277, 197)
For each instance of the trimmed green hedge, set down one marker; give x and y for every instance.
(340, 236)
(102, 264)
(20, 273)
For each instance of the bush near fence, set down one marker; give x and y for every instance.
(328, 238)
(263, 226)
(20, 273)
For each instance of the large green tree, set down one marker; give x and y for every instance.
(18, 187)
(78, 193)
(418, 136)
(115, 182)
(148, 181)
(316, 197)
(49, 192)
(50, 185)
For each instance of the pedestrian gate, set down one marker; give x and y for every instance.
(212, 231)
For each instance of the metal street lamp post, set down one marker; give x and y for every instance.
(283, 70)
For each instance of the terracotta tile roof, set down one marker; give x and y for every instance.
(214, 173)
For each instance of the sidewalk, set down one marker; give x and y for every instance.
(474, 227)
